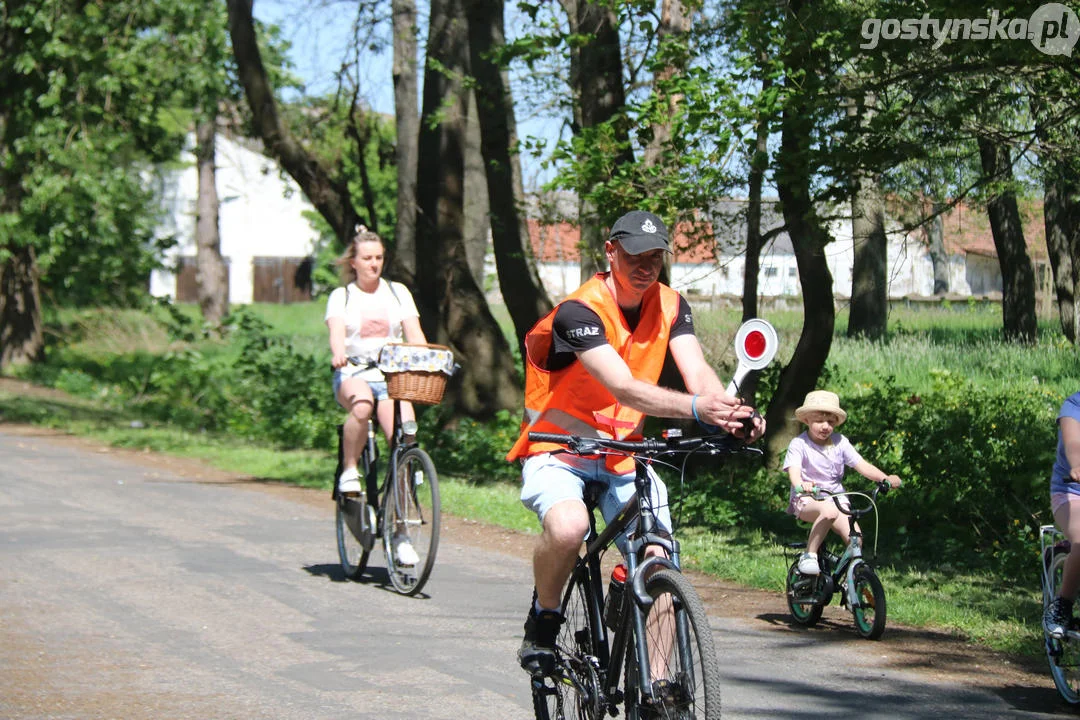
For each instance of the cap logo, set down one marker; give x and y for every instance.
(648, 226)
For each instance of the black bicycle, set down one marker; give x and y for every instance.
(849, 574)
(409, 509)
(659, 660)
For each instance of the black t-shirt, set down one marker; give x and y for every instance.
(577, 327)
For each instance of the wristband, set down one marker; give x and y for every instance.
(703, 424)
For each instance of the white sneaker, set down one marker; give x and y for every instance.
(808, 564)
(404, 553)
(349, 482)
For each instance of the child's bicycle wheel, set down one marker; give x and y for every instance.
(800, 588)
(1062, 654)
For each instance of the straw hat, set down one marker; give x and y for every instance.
(821, 401)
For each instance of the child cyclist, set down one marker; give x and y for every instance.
(817, 459)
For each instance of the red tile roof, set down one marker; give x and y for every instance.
(558, 242)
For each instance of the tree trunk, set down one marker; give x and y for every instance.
(453, 309)
(211, 273)
(935, 241)
(523, 293)
(1017, 274)
(477, 205)
(759, 161)
(869, 311)
(22, 339)
(407, 122)
(808, 238)
(596, 83)
(1061, 217)
(329, 195)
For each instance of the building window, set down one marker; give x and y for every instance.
(770, 271)
(791, 272)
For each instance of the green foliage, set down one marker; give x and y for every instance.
(473, 449)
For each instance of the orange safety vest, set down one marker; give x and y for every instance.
(571, 400)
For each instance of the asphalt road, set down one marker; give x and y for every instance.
(128, 592)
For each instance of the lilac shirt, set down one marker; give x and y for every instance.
(1059, 479)
(821, 465)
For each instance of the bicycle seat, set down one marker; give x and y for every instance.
(593, 491)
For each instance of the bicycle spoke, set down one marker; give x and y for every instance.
(411, 516)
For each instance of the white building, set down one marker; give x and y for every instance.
(265, 237)
(715, 264)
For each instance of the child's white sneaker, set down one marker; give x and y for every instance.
(349, 481)
(808, 564)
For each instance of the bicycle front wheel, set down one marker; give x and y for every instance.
(1064, 654)
(684, 671)
(410, 521)
(870, 594)
(573, 691)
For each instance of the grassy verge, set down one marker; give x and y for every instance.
(982, 609)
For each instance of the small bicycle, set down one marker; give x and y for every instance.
(858, 584)
(659, 631)
(409, 494)
(1063, 654)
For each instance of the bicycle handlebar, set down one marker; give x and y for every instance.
(881, 487)
(715, 444)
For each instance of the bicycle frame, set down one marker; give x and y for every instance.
(637, 601)
(370, 456)
(849, 560)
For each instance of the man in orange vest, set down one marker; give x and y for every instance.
(591, 369)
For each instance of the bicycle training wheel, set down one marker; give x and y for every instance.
(682, 657)
(870, 615)
(573, 692)
(800, 587)
(351, 551)
(1064, 654)
(410, 514)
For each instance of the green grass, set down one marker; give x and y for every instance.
(978, 607)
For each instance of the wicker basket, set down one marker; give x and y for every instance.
(419, 386)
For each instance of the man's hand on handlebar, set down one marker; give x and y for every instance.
(728, 413)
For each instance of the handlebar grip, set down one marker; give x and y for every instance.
(559, 438)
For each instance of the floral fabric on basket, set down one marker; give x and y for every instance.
(396, 358)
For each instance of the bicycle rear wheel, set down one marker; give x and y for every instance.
(799, 588)
(411, 512)
(1064, 654)
(573, 693)
(352, 552)
(682, 656)
(870, 615)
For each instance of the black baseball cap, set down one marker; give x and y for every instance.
(638, 231)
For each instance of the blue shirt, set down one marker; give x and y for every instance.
(1059, 480)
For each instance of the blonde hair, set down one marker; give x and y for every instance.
(345, 268)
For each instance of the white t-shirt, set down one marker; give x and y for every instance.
(371, 319)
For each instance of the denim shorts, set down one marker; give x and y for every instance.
(548, 480)
(378, 387)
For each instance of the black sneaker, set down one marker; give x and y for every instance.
(1058, 617)
(537, 652)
